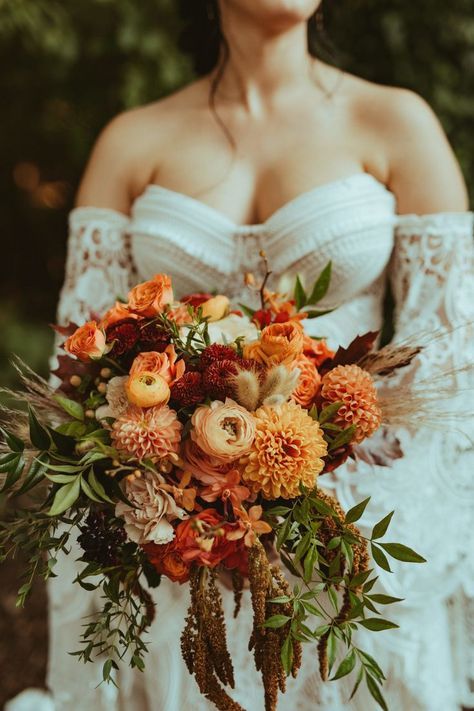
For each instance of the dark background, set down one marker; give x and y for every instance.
(67, 67)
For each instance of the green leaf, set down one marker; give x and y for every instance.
(380, 528)
(303, 545)
(299, 294)
(334, 543)
(384, 599)
(370, 662)
(64, 443)
(314, 313)
(38, 434)
(247, 311)
(321, 285)
(401, 552)
(283, 533)
(14, 442)
(376, 693)
(287, 654)
(281, 599)
(98, 488)
(65, 468)
(60, 478)
(332, 648)
(88, 491)
(65, 497)
(357, 683)
(36, 474)
(346, 666)
(15, 470)
(276, 621)
(356, 511)
(277, 511)
(73, 408)
(377, 624)
(328, 412)
(380, 558)
(343, 438)
(310, 562)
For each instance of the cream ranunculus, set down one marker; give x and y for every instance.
(224, 430)
(148, 521)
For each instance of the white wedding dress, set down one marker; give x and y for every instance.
(429, 261)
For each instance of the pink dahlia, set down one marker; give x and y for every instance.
(151, 433)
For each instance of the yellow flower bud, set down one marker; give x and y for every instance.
(147, 389)
(216, 308)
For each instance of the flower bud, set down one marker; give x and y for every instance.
(75, 380)
(105, 373)
(102, 388)
(147, 389)
(90, 414)
(216, 308)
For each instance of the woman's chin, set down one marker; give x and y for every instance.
(278, 13)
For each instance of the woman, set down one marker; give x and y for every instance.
(271, 148)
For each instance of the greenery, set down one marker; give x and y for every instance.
(68, 67)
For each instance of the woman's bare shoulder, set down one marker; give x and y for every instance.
(124, 152)
(420, 165)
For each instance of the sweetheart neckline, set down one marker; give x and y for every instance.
(259, 226)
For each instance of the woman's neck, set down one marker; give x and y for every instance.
(262, 61)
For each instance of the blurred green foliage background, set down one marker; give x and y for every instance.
(68, 67)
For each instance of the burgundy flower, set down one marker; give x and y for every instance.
(195, 300)
(188, 389)
(124, 336)
(153, 337)
(216, 378)
(217, 352)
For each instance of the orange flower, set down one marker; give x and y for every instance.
(287, 451)
(180, 314)
(167, 560)
(164, 364)
(355, 388)
(226, 487)
(279, 343)
(316, 349)
(118, 312)
(154, 433)
(203, 467)
(151, 297)
(308, 383)
(87, 342)
(249, 525)
(203, 539)
(147, 389)
(224, 430)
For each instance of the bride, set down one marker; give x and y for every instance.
(273, 149)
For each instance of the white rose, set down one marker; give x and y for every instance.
(232, 327)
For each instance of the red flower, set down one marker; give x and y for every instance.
(153, 337)
(188, 390)
(124, 336)
(216, 378)
(167, 560)
(216, 352)
(203, 539)
(262, 317)
(195, 300)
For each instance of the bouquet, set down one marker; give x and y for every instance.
(188, 440)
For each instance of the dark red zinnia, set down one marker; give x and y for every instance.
(188, 390)
(217, 379)
(124, 336)
(153, 337)
(216, 352)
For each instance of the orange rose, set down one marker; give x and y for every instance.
(280, 343)
(317, 350)
(118, 312)
(150, 297)
(87, 342)
(202, 539)
(164, 364)
(168, 561)
(309, 381)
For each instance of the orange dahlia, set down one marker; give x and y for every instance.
(152, 433)
(355, 388)
(285, 453)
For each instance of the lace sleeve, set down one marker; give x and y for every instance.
(99, 266)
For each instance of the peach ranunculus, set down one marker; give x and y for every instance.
(150, 297)
(165, 364)
(87, 342)
(202, 466)
(280, 343)
(316, 349)
(118, 312)
(309, 382)
(224, 430)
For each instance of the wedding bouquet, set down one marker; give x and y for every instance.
(184, 440)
